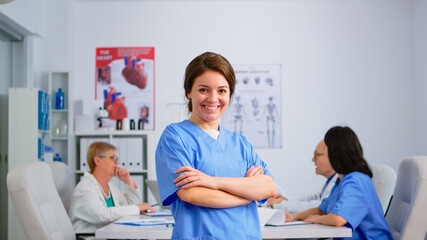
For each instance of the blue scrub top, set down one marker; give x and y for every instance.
(354, 198)
(186, 144)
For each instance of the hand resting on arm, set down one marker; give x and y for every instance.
(220, 192)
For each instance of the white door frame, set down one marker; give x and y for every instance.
(22, 75)
(22, 52)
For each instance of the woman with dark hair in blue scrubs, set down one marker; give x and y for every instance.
(209, 176)
(353, 201)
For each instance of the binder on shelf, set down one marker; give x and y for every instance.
(139, 180)
(139, 149)
(116, 143)
(43, 110)
(83, 154)
(40, 149)
(135, 154)
(140, 163)
(123, 148)
(131, 154)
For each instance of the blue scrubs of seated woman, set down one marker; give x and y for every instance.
(209, 176)
(353, 201)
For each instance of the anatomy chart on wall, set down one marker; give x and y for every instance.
(255, 110)
(125, 81)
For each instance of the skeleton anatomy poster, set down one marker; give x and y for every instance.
(125, 82)
(255, 110)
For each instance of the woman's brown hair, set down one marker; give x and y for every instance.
(201, 64)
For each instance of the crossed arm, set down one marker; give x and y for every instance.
(222, 192)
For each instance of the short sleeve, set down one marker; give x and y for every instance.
(352, 204)
(171, 154)
(255, 160)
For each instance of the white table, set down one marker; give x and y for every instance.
(119, 231)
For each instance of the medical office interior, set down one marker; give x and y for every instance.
(358, 63)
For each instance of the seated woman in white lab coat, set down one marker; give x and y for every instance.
(95, 201)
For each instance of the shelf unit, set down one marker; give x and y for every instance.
(139, 137)
(60, 137)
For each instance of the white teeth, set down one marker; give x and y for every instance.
(210, 108)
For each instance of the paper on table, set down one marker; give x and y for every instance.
(265, 214)
(272, 217)
(278, 217)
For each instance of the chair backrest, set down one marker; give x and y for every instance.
(384, 180)
(407, 215)
(64, 182)
(37, 203)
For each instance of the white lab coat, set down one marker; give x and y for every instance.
(310, 201)
(88, 210)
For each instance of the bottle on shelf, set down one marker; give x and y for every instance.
(59, 99)
(140, 124)
(63, 128)
(57, 158)
(48, 153)
(132, 124)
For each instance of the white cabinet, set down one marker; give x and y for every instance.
(28, 130)
(28, 125)
(132, 152)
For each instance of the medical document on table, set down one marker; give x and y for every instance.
(275, 218)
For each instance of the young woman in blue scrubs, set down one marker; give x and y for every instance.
(210, 177)
(353, 201)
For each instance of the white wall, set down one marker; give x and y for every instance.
(26, 13)
(52, 47)
(45, 24)
(344, 62)
(420, 74)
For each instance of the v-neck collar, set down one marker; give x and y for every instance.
(205, 136)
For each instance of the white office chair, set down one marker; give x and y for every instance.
(407, 215)
(384, 180)
(37, 203)
(64, 182)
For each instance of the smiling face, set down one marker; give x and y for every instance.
(210, 95)
(321, 160)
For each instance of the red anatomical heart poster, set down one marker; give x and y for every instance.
(125, 82)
